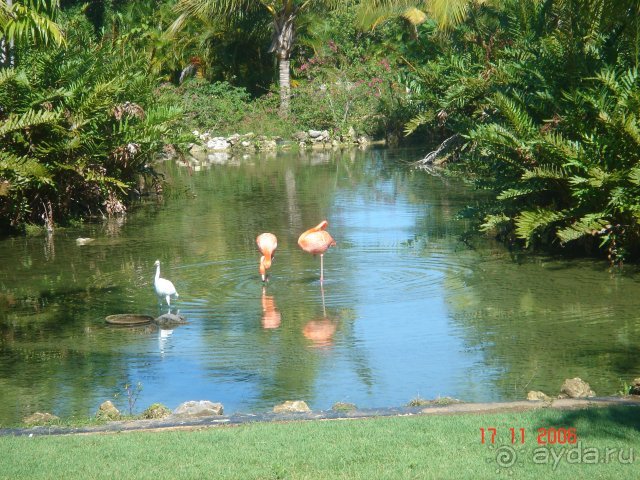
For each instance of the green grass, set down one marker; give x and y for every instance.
(441, 447)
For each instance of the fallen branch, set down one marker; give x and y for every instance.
(431, 157)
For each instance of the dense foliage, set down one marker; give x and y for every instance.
(544, 94)
(78, 125)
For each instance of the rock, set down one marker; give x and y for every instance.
(351, 134)
(196, 148)
(169, 320)
(218, 144)
(363, 140)
(534, 395)
(247, 144)
(319, 136)
(108, 411)
(300, 136)
(576, 388)
(40, 418)
(635, 387)
(316, 133)
(202, 408)
(233, 139)
(156, 411)
(267, 145)
(297, 406)
(343, 407)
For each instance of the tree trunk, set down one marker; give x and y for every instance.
(281, 45)
(285, 86)
(6, 48)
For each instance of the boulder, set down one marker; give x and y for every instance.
(202, 408)
(316, 133)
(156, 411)
(196, 148)
(297, 406)
(108, 411)
(576, 388)
(363, 140)
(534, 395)
(351, 134)
(267, 145)
(169, 320)
(233, 139)
(218, 144)
(300, 136)
(40, 418)
(634, 389)
(344, 407)
(319, 136)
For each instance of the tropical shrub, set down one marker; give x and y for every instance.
(78, 125)
(550, 124)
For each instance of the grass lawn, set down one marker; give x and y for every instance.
(421, 447)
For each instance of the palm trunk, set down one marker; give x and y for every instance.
(281, 45)
(7, 58)
(285, 86)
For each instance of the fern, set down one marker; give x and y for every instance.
(28, 119)
(532, 222)
(587, 225)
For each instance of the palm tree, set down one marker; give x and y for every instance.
(446, 13)
(285, 15)
(27, 20)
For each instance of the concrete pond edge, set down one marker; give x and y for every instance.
(178, 423)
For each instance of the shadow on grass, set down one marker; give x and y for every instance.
(616, 422)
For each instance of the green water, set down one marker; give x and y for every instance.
(408, 308)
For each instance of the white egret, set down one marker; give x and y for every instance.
(164, 288)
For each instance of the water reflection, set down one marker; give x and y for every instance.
(407, 308)
(164, 335)
(270, 315)
(320, 331)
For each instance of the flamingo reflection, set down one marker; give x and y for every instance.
(320, 331)
(270, 314)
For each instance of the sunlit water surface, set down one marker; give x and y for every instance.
(408, 308)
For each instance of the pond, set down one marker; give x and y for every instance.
(408, 308)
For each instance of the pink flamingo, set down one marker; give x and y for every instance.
(267, 244)
(316, 241)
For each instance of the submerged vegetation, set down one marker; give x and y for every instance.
(543, 93)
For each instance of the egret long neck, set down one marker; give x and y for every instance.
(157, 272)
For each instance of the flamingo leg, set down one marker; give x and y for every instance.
(321, 268)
